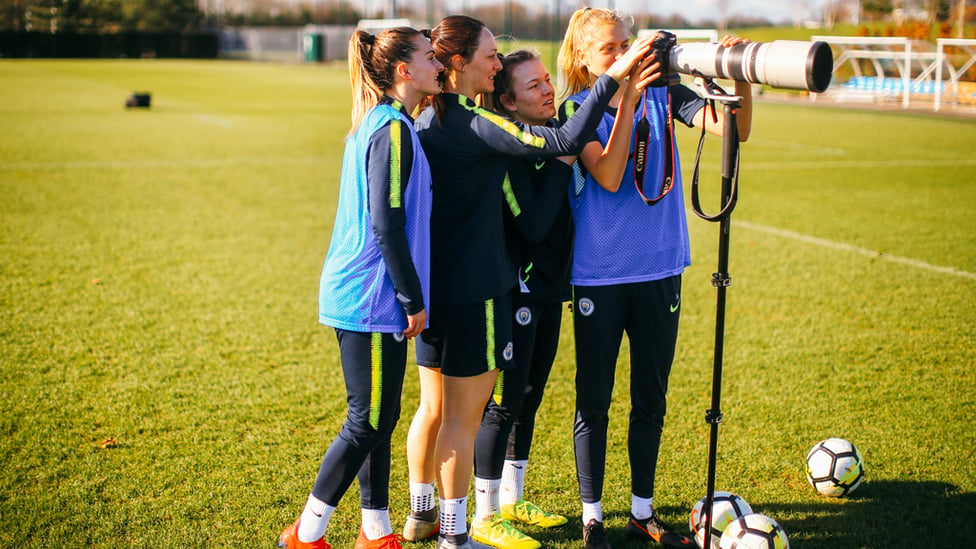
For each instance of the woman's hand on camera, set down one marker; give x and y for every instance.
(742, 88)
(649, 73)
(729, 40)
(642, 75)
(620, 69)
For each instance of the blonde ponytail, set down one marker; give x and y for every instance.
(372, 63)
(365, 93)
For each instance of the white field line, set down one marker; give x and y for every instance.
(805, 148)
(172, 163)
(855, 249)
(213, 120)
(859, 164)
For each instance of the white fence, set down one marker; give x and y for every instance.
(282, 44)
(900, 67)
(942, 60)
(286, 44)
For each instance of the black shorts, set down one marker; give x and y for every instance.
(468, 340)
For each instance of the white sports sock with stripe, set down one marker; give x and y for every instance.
(315, 520)
(513, 481)
(486, 498)
(376, 523)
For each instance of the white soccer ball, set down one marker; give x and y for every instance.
(754, 531)
(834, 467)
(726, 507)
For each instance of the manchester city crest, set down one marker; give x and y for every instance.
(523, 316)
(586, 306)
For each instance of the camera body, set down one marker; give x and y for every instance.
(661, 50)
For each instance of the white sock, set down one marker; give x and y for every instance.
(454, 513)
(486, 498)
(376, 523)
(641, 508)
(513, 481)
(421, 496)
(592, 511)
(315, 519)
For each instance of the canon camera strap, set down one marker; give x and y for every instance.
(643, 136)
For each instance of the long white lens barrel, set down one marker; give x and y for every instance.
(789, 64)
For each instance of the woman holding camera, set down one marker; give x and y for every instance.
(627, 263)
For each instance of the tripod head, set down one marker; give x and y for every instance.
(713, 92)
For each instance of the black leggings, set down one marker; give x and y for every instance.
(648, 312)
(373, 366)
(509, 419)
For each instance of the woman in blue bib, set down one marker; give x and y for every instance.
(375, 287)
(627, 263)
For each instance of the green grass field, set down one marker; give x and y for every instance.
(165, 383)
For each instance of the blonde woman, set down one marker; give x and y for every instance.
(627, 263)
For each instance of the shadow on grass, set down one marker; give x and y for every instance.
(883, 514)
(879, 515)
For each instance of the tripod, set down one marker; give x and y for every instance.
(721, 279)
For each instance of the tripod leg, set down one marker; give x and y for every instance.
(721, 280)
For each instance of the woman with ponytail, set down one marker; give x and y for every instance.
(374, 288)
(472, 275)
(630, 249)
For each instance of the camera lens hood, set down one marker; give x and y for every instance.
(789, 64)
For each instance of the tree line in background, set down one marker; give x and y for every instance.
(119, 16)
(100, 16)
(114, 16)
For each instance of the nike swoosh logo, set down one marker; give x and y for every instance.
(319, 515)
(674, 308)
(540, 164)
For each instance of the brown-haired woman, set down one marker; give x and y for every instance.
(470, 337)
(539, 233)
(375, 282)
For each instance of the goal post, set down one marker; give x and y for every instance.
(882, 53)
(967, 59)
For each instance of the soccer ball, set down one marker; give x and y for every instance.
(754, 531)
(834, 467)
(726, 507)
